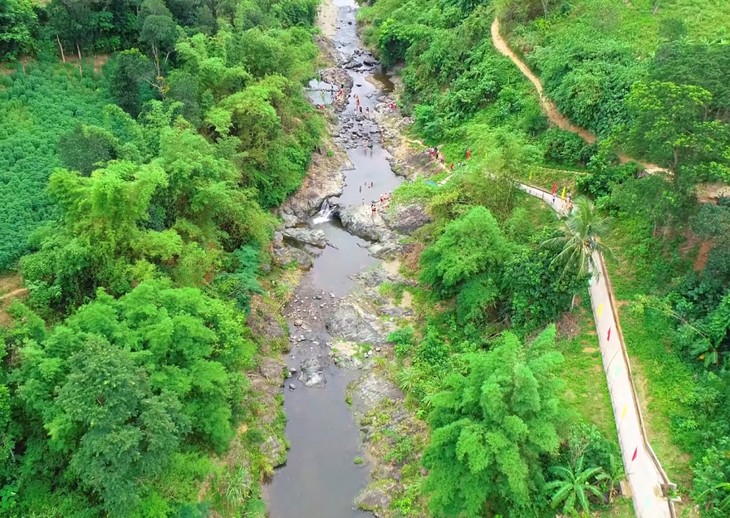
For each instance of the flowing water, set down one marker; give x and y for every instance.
(320, 478)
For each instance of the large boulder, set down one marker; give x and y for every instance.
(307, 236)
(360, 221)
(351, 323)
(407, 218)
(287, 255)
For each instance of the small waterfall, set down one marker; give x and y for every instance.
(325, 212)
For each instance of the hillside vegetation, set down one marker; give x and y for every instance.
(137, 195)
(647, 78)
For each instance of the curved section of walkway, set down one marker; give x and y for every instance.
(649, 483)
(549, 107)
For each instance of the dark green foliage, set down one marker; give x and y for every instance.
(538, 291)
(241, 283)
(563, 147)
(129, 74)
(604, 177)
(18, 23)
(94, 25)
(695, 63)
(86, 148)
(492, 429)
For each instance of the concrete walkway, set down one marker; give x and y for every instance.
(645, 474)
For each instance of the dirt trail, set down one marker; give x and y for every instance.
(15, 293)
(549, 107)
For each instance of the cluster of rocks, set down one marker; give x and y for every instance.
(359, 130)
(360, 61)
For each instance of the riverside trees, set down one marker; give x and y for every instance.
(147, 250)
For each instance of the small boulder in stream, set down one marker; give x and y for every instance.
(311, 373)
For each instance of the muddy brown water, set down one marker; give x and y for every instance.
(320, 478)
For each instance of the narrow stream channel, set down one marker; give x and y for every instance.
(320, 478)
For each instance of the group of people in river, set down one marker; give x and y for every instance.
(384, 203)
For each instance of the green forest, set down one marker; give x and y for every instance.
(144, 145)
(647, 78)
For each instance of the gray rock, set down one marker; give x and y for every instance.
(292, 386)
(314, 237)
(286, 255)
(371, 390)
(274, 450)
(311, 373)
(348, 322)
(360, 221)
(374, 499)
(406, 218)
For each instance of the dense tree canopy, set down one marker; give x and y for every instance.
(492, 427)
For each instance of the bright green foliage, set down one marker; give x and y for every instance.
(471, 245)
(493, 427)
(584, 229)
(588, 79)
(99, 242)
(202, 199)
(125, 383)
(574, 487)
(671, 125)
(37, 109)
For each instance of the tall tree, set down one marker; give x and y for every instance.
(671, 125)
(492, 427)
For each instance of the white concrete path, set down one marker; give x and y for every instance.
(645, 474)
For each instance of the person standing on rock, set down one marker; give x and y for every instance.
(373, 209)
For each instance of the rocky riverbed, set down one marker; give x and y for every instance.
(338, 319)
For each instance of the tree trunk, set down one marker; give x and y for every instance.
(60, 46)
(78, 49)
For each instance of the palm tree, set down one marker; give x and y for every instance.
(583, 233)
(573, 486)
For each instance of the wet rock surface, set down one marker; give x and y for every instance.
(312, 373)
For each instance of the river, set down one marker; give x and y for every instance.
(320, 478)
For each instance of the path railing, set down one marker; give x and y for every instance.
(651, 490)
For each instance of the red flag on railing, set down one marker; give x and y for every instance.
(636, 452)
(555, 188)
